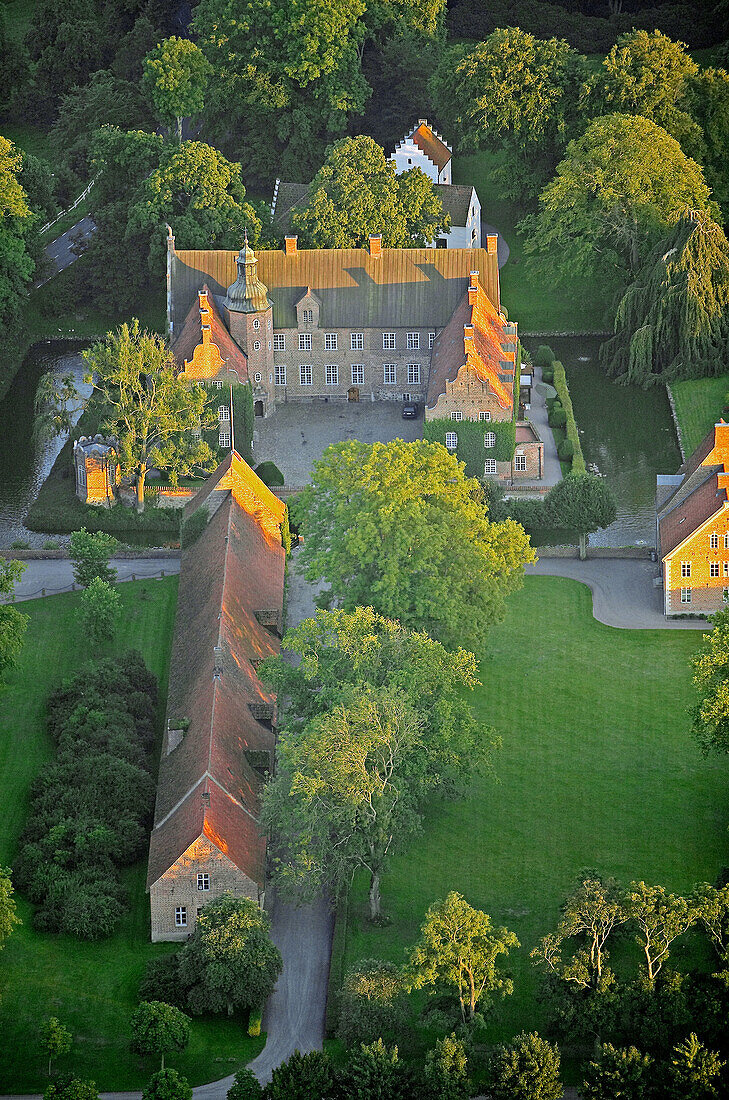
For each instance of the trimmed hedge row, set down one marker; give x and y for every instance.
(90, 807)
(471, 449)
(560, 384)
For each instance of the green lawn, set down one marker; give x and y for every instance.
(538, 305)
(597, 770)
(698, 404)
(91, 987)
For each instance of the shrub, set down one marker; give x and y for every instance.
(245, 1086)
(162, 982)
(90, 554)
(51, 544)
(193, 527)
(544, 356)
(573, 435)
(566, 450)
(167, 1084)
(255, 1017)
(269, 474)
(530, 514)
(557, 417)
(372, 1002)
(99, 613)
(20, 544)
(548, 375)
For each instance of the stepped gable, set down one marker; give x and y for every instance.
(204, 348)
(431, 145)
(210, 780)
(475, 338)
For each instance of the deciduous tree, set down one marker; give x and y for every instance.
(659, 918)
(16, 265)
(99, 613)
(589, 915)
(710, 669)
(713, 908)
(245, 1086)
(694, 1071)
(176, 75)
(618, 1072)
(459, 950)
(526, 1069)
(399, 527)
(90, 553)
(67, 1087)
(13, 624)
(446, 1070)
(159, 1028)
(55, 1039)
(167, 1084)
(303, 1076)
(8, 916)
(376, 1071)
(582, 503)
(147, 405)
(372, 1002)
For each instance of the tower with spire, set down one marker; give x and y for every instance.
(249, 317)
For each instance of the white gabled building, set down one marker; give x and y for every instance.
(423, 148)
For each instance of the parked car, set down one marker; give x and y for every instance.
(410, 412)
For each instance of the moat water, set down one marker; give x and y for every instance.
(627, 435)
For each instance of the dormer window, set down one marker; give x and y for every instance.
(307, 316)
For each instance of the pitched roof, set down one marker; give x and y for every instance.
(429, 143)
(204, 311)
(288, 195)
(694, 510)
(490, 353)
(208, 784)
(455, 199)
(403, 286)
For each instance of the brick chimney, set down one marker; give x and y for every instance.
(291, 246)
(719, 453)
(491, 242)
(468, 334)
(472, 295)
(376, 245)
(474, 278)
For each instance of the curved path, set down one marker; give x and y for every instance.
(46, 577)
(623, 593)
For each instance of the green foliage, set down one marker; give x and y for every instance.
(557, 416)
(470, 448)
(67, 1087)
(55, 1039)
(167, 1084)
(566, 451)
(694, 1071)
(303, 1076)
(612, 198)
(573, 435)
(544, 356)
(243, 421)
(446, 1070)
(159, 1028)
(99, 613)
(710, 669)
(16, 265)
(378, 518)
(176, 75)
(673, 321)
(459, 949)
(618, 1072)
(709, 104)
(372, 1003)
(90, 554)
(8, 916)
(581, 502)
(658, 918)
(13, 624)
(229, 961)
(105, 101)
(527, 1069)
(357, 193)
(376, 1070)
(255, 1019)
(269, 474)
(193, 526)
(245, 1086)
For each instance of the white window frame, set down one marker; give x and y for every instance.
(306, 374)
(489, 466)
(413, 342)
(279, 341)
(713, 569)
(180, 916)
(726, 568)
(256, 345)
(223, 412)
(413, 374)
(389, 340)
(389, 374)
(520, 464)
(224, 439)
(457, 415)
(725, 595)
(330, 341)
(714, 540)
(451, 440)
(356, 341)
(256, 324)
(484, 415)
(489, 440)
(685, 568)
(331, 374)
(304, 341)
(685, 595)
(203, 880)
(258, 377)
(280, 374)
(307, 316)
(431, 339)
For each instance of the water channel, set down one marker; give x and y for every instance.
(627, 434)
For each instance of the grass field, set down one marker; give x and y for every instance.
(698, 407)
(92, 988)
(538, 305)
(597, 770)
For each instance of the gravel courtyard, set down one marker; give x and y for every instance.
(295, 435)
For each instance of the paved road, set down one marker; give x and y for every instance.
(623, 594)
(57, 575)
(537, 414)
(60, 251)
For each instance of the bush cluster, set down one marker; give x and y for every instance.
(91, 806)
(573, 436)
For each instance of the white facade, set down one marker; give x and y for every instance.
(463, 236)
(408, 154)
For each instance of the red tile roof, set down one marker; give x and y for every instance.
(486, 355)
(203, 310)
(429, 143)
(699, 506)
(208, 784)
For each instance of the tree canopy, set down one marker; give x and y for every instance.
(13, 624)
(613, 197)
(526, 1069)
(399, 527)
(176, 75)
(16, 264)
(357, 193)
(673, 320)
(710, 669)
(159, 1028)
(582, 503)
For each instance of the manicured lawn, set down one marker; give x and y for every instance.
(698, 407)
(535, 302)
(92, 988)
(597, 770)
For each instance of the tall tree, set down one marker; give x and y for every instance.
(302, 1076)
(582, 503)
(347, 792)
(516, 92)
(229, 961)
(99, 614)
(90, 552)
(399, 527)
(167, 1084)
(708, 93)
(106, 100)
(694, 1071)
(618, 1072)
(446, 1070)
(590, 914)
(13, 626)
(8, 915)
(526, 1069)
(713, 907)
(376, 1071)
(459, 950)
(613, 197)
(710, 669)
(673, 321)
(147, 406)
(287, 78)
(659, 919)
(357, 193)
(159, 1028)
(372, 1002)
(176, 75)
(16, 219)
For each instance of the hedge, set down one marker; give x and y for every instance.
(470, 434)
(269, 474)
(560, 384)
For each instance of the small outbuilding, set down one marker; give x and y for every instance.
(96, 469)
